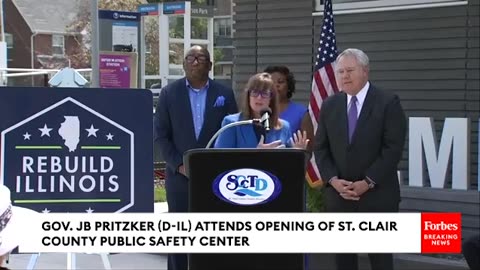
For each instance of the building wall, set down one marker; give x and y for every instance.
(422, 55)
(15, 25)
(43, 46)
(428, 56)
(223, 7)
(272, 32)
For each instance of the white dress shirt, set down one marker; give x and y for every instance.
(360, 98)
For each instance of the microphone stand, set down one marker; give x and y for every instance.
(238, 123)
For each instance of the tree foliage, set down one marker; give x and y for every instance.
(81, 56)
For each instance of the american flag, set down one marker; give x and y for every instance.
(323, 82)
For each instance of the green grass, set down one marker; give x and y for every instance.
(160, 194)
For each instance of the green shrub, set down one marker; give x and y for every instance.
(160, 194)
(315, 199)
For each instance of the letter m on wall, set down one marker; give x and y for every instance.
(454, 147)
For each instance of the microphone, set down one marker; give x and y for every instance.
(265, 118)
(238, 123)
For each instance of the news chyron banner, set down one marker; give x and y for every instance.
(244, 233)
(77, 149)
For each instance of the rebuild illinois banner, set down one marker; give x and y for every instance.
(77, 150)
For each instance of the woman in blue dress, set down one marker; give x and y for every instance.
(294, 113)
(260, 95)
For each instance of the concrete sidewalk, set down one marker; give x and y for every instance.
(401, 262)
(159, 262)
(94, 261)
(91, 261)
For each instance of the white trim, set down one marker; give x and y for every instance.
(386, 5)
(192, 41)
(153, 77)
(47, 32)
(226, 77)
(41, 69)
(223, 17)
(225, 47)
(11, 75)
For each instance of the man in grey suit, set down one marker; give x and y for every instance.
(189, 112)
(359, 142)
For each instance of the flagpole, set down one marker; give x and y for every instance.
(2, 21)
(94, 78)
(323, 82)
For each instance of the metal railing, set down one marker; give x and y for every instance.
(6, 73)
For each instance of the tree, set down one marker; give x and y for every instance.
(82, 24)
(81, 56)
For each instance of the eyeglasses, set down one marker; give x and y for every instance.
(262, 93)
(202, 59)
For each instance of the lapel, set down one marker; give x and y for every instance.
(365, 113)
(184, 102)
(212, 94)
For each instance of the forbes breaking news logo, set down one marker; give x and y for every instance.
(247, 187)
(69, 158)
(441, 232)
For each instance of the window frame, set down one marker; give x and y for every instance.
(224, 30)
(10, 44)
(57, 45)
(383, 5)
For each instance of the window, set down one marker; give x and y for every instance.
(350, 6)
(223, 27)
(9, 41)
(58, 45)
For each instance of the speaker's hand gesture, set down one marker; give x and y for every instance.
(274, 144)
(299, 140)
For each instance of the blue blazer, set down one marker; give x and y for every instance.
(174, 129)
(244, 136)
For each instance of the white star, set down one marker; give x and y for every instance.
(45, 211)
(45, 130)
(92, 131)
(89, 210)
(26, 136)
(109, 137)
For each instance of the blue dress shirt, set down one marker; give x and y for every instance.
(198, 99)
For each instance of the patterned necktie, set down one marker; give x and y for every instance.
(352, 117)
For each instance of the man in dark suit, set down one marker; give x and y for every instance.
(359, 142)
(470, 250)
(189, 112)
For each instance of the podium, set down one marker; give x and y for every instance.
(277, 176)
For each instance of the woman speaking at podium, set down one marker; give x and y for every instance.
(260, 103)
